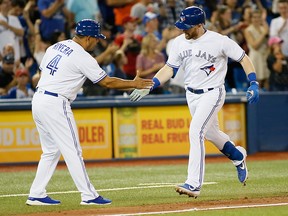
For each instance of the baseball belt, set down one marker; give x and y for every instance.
(199, 91)
(39, 90)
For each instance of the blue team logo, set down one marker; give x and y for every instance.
(182, 18)
(208, 69)
(53, 64)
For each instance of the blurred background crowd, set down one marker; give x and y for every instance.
(139, 35)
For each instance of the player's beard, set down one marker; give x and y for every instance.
(191, 34)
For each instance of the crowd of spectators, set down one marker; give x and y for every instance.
(139, 34)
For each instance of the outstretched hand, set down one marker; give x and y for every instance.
(253, 93)
(143, 83)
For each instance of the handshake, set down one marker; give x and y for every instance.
(142, 88)
(138, 94)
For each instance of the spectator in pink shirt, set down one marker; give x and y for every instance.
(149, 61)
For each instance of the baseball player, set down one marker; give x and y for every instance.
(64, 68)
(203, 55)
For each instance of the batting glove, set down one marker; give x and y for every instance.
(138, 94)
(253, 92)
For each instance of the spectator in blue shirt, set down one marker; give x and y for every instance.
(53, 17)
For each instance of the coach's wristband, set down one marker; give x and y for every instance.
(156, 83)
(252, 77)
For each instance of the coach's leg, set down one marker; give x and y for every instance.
(66, 137)
(51, 153)
(47, 164)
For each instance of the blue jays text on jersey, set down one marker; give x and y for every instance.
(206, 56)
(200, 54)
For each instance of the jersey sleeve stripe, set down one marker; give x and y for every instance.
(242, 56)
(96, 81)
(172, 66)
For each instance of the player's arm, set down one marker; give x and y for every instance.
(247, 65)
(162, 76)
(117, 83)
(253, 90)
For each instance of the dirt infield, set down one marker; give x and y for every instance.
(165, 207)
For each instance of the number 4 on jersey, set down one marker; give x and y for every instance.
(52, 65)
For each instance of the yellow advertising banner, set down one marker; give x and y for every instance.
(95, 132)
(19, 140)
(164, 130)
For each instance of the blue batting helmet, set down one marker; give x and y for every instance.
(190, 17)
(89, 27)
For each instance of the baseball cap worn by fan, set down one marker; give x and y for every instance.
(148, 17)
(9, 58)
(89, 27)
(275, 40)
(22, 72)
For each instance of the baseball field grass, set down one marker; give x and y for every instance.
(136, 189)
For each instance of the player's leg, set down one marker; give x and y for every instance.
(65, 135)
(48, 161)
(203, 109)
(236, 154)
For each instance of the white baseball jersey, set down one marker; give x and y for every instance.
(8, 36)
(204, 60)
(277, 24)
(65, 67)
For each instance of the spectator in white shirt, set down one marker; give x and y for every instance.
(279, 25)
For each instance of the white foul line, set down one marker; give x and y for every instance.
(159, 185)
(145, 186)
(199, 209)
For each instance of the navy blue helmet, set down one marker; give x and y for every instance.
(190, 17)
(89, 27)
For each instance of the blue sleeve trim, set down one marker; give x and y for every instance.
(242, 56)
(252, 77)
(175, 69)
(96, 81)
(156, 83)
